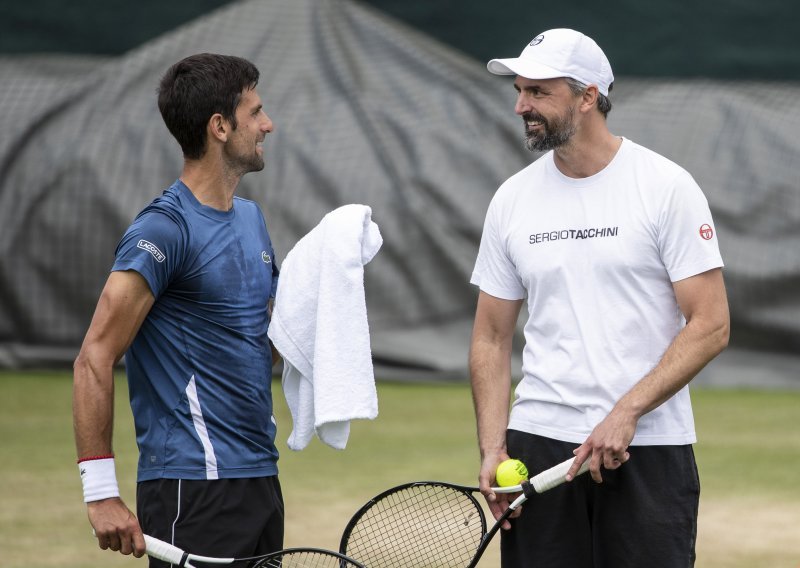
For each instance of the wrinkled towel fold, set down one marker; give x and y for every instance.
(319, 326)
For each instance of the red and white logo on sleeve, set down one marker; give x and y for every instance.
(706, 231)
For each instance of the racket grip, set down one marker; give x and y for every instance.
(555, 476)
(163, 550)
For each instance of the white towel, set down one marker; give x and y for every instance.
(319, 326)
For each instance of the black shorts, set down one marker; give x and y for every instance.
(223, 517)
(643, 514)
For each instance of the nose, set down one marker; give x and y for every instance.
(267, 125)
(522, 105)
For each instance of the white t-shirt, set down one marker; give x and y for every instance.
(596, 258)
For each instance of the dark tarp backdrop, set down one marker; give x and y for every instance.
(369, 110)
(720, 39)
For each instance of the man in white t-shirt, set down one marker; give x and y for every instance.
(614, 249)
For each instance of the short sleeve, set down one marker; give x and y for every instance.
(152, 246)
(495, 272)
(687, 236)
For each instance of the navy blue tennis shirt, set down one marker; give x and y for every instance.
(199, 370)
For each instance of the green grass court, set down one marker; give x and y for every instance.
(748, 454)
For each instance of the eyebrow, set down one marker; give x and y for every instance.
(534, 87)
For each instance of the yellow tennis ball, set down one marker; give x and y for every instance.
(511, 472)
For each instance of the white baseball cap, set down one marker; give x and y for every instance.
(559, 53)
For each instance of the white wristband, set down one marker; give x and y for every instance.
(99, 478)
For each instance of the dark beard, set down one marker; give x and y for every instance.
(557, 131)
(241, 165)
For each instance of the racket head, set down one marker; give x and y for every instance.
(416, 525)
(306, 558)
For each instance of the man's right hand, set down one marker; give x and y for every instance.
(116, 527)
(497, 502)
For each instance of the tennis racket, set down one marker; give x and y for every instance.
(431, 523)
(287, 558)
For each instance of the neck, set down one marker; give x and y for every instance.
(587, 153)
(210, 183)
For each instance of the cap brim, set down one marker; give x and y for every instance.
(533, 70)
(524, 68)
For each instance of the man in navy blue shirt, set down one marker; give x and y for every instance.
(187, 303)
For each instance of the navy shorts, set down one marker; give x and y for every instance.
(643, 514)
(222, 517)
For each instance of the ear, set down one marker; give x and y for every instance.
(589, 98)
(218, 128)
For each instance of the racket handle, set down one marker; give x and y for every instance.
(163, 550)
(556, 475)
(174, 555)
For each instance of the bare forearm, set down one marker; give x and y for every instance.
(697, 344)
(701, 298)
(490, 373)
(490, 370)
(121, 309)
(93, 407)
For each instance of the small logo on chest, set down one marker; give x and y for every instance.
(265, 257)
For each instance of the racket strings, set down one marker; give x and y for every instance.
(305, 559)
(418, 527)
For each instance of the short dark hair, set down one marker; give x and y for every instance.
(197, 87)
(603, 102)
